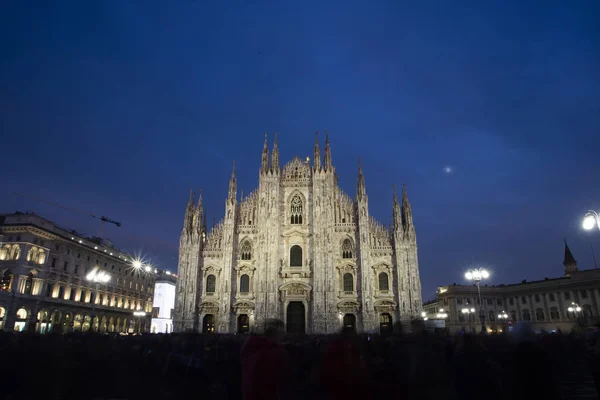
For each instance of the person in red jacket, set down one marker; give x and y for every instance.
(265, 364)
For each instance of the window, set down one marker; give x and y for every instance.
(511, 301)
(76, 269)
(348, 282)
(61, 292)
(551, 296)
(296, 210)
(490, 302)
(526, 315)
(383, 281)
(537, 298)
(68, 251)
(82, 296)
(6, 282)
(523, 300)
(347, 249)
(53, 262)
(513, 315)
(492, 316)
(211, 282)
(246, 251)
(29, 283)
(49, 290)
(78, 255)
(587, 311)
(499, 302)
(554, 313)
(72, 294)
(539, 314)
(584, 294)
(459, 300)
(461, 317)
(65, 266)
(244, 284)
(567, 296)
(296, 256)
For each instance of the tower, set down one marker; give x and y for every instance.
(569, 262)
(188, 268)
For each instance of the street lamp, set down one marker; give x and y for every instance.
(441, 314)
(574, 307)
(503, 315)
(477, 275)
(97, 277)
(590, 220)
(466, 312)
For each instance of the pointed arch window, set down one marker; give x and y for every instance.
(384, 283)
(296, 210)
(348, 282)
(244, 284)
(246, 251)
(29, 284)
(211, 283)
(296, 256)
(347, 249)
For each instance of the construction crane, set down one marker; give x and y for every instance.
(102, 218)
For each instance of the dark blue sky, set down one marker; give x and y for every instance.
(118, 108)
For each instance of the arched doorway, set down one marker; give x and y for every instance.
(295, 317)
(385, 324)
(350, 321)
(243, 323)
(208, 323)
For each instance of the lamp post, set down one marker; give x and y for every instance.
(477, 275)
(97, 277)
(503, 316)
(466, 312)
(591, 219)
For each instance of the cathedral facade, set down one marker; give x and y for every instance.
(300, 250)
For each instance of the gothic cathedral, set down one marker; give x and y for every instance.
(300, 250)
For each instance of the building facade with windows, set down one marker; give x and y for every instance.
(163, 303)
(297, 249)
(549, 304)
(56, 280)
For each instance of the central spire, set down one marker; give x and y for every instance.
(317, 154)
(265, 157)
(361, 190)
(232, 185)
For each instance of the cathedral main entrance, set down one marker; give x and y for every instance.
(295, 321)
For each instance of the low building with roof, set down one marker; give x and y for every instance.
(549, 304)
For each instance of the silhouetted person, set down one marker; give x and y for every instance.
(265, 364)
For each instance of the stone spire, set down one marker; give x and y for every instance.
(569, 261)
(198, 214)
(327, 158)
(361, 190)
(264, 167)
(407, 221)
(317, 154)
(275, 156)
(189, 214)
(232, 186)
(396, 212)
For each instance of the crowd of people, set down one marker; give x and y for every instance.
(416, 365)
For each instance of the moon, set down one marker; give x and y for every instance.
(448, 169)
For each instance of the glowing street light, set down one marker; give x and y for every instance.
(477, 275)
(503, 315)
(574, 307)
(137, 264)
(591, 220)
(441, 314)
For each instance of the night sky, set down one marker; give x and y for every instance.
(119, 108)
